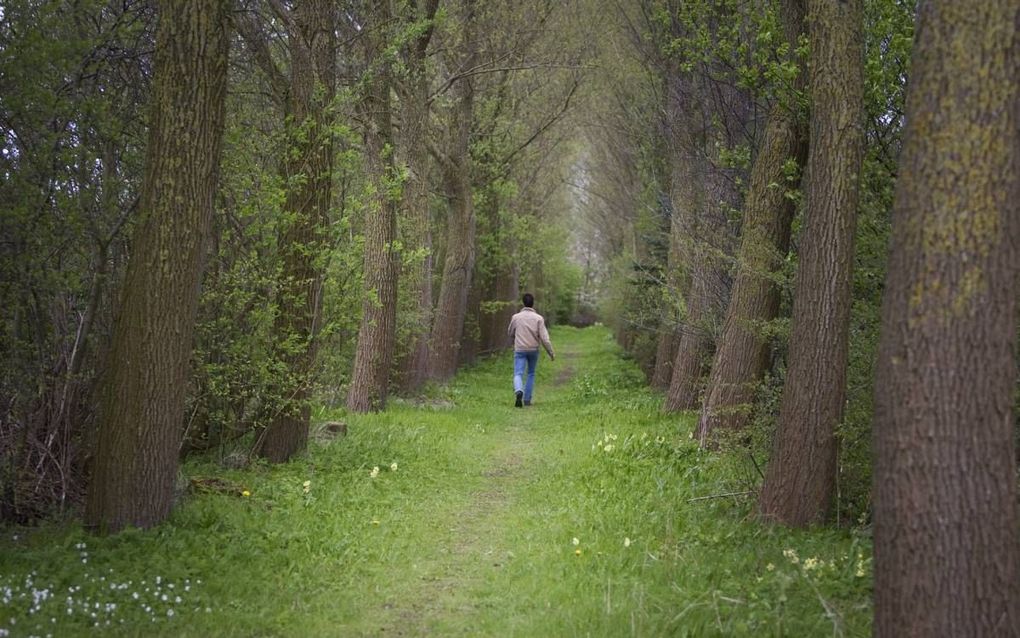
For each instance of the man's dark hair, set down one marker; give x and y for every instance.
(529, 300)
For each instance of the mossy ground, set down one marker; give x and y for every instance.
(570, 518)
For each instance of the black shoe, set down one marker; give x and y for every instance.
(527, 403)
(518, 403)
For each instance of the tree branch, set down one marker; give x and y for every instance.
(250, 29)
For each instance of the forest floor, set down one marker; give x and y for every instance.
(459, 515)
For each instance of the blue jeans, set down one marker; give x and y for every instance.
(520, 360)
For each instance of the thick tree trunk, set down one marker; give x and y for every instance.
(947, 549)
(377, 334)
(417, 227)
(741, 356)
(801, 476)
(308, 171)
(451, 308)
(135, 462)
(417, 236)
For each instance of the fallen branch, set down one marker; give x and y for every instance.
(705, 498)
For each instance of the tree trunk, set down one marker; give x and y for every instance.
(505, 291)
(707, 190)
(417, 236)
(669, 333)
(741, 356)
(377, 334)
(458, 268)
(471, 335)
(134, 467)
(947, 550)
(686, 263)
(308, 172)
(665, 355)
(801, 476)
(417, 228)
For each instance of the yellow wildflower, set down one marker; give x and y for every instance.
(626, 542)
(246, 493)
(577, 552)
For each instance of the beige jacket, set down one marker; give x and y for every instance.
(527, 328)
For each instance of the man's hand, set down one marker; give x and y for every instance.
(552, 357)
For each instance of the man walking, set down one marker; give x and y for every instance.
(528, 330)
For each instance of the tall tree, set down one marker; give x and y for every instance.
(455, 165)
(416, 229)
(377, 334)
(741, 356)
(308, 174)
(801, 476)
(947, 551)
(135, 461)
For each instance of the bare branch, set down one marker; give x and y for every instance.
(250, 29)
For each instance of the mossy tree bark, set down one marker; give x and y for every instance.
(377, 335)
(947, 551)
(308, 173)
(801, 476)
(741, 356)
(134, 466)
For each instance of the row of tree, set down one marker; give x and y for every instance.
(211, 222)
(761, 156)
(208, 224)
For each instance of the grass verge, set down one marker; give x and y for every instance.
(572, 517)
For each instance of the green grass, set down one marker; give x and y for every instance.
(472, 534)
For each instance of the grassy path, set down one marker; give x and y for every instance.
(569, 518)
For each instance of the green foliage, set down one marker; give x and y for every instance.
(240, 368)
(473, 531)
(71, 131)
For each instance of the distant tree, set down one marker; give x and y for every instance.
(134, 466)
(801, 476)
(947, 548)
